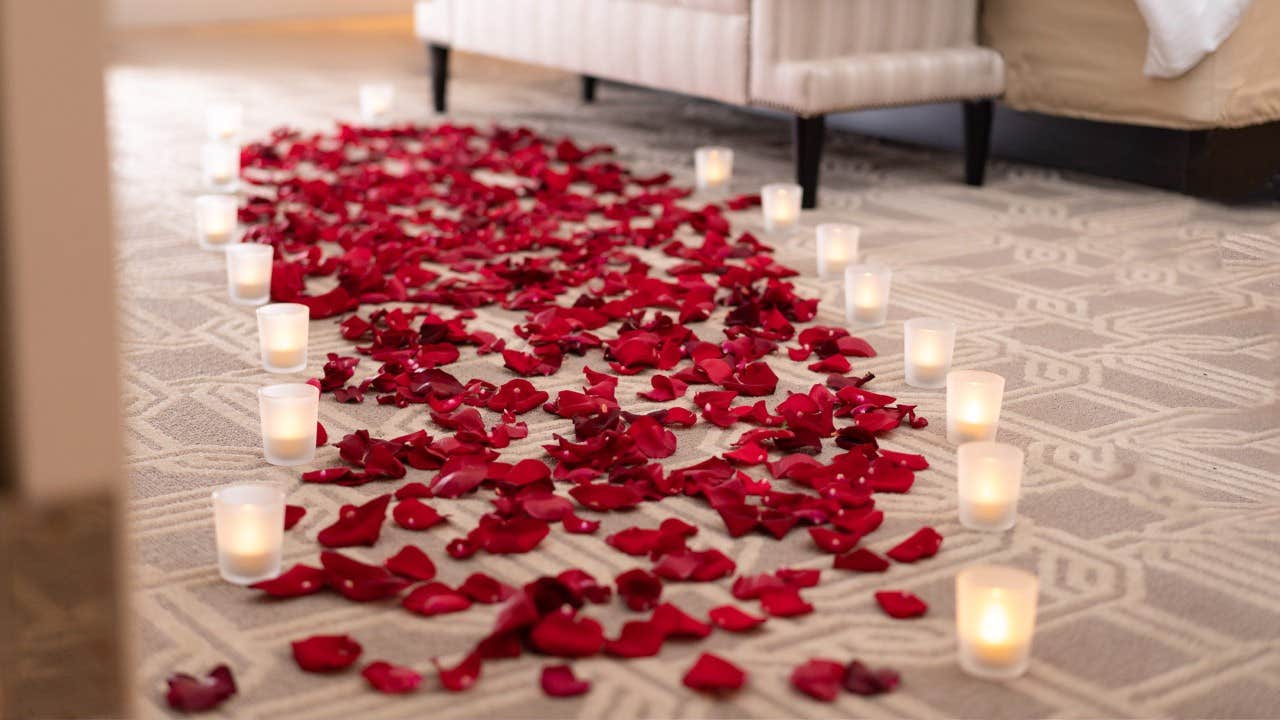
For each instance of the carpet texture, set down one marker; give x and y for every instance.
(1136, 330)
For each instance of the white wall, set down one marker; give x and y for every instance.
(132, 13)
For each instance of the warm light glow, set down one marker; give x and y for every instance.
(994, 627)
(973, 405)
(928, 344)
(780, 204)
(289, 413)
(868, 293)
(995, 620)
(713, 167)
(248, 531)
(989, 480)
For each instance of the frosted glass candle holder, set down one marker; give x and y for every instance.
(989, 481)
(249, 527)
(249, 273)
(221, 161)
(866, 294)
(223, 120)
(973, 405)
(780, 203)
(995, 620)
(837, 248)
(714, 168)
(289, 414)
(216, 220)
(376, 100)
(927, 346)
(282, 336)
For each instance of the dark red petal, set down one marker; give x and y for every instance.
(293, 514)
(901, 604)
(391, 679)
(359, 581)
(192, 694)
(562, 634)
(819, 679)
(639, 589)
(411, 562)
(861, 560)
(923, 544)
(325, 653)
(861, 680)
(579, 526)
(413, 490)
(584, 586)
(638, 638)
(360, 527)
(675, 622)
(799, 578)
(733, 619)
(559, 681)
(484, 589)
(322, 435)
(435, 598)
(711, 673)
(413, 514)
(327, 475)
(832, 541)
(299, 580)
(460, 677)
(785, 602)
(603, 497)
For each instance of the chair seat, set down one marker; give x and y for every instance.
(730, 7)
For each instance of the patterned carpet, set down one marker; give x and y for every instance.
(1136, 330)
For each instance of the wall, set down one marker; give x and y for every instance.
(137, 13)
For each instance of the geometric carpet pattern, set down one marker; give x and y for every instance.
(1136, 330)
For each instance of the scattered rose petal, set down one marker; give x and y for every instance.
(297, 581)
(861, 680)
(411, 562)
(711, 673)
(435, 598)
(733, 619)
(819, 679)
(923, 544)
(325, 653)
(392, 679)
(413, 514)
(191, 694)
(900, 604)
(861, 560)
(559, 681)
(293, 514)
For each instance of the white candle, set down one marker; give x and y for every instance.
(927, 347)
(837, 248)
(221, 165)
(780, 203)
(282, 336)
(973, 405)
(713, 167)
(249, 528)
(249, 273)
(289, 413)
(216, 220)
(223, 120)
(995, 620)
(989, 476)
(376, 100)
(866, 294)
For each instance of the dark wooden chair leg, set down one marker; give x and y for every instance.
(588, 89)
(977, 139)
(807, 134)
(439, 56)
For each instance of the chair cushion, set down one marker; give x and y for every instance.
(731, 7)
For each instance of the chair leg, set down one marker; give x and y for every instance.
(439, 57)
(807, 134)
(977, 139)
(588, 89)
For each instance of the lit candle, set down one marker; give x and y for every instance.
(995, 620)
(866, 294)
(927, 347)
(780, 203)
(249, 273)
(837, 248)
(989, 480)
(216, 220)
(714, 168)
(973, 405)
(289, 413)
(375, 101)
(221, 165)
(282, 336)
(249, 527)
(223, 120)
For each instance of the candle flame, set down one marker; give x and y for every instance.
(994, 627)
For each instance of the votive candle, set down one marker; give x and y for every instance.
(866, 294)
(249, 273)
(282, 336)
(249, 531)
(376, 100)
(289, 413)
(973, 405)
(216, 220)
(221, 165)
(837, 248)
(713, 166)
(223, 120)
(927, 346)
(989, 476)
(995, 620)
(780, 203)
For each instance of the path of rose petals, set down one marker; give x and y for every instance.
(403, 232)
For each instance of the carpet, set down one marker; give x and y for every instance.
(1136, 330)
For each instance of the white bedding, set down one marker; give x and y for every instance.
(1183, 32)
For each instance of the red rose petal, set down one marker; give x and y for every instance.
(411, 562)
(562, 634)
(559, 681)
(861, 680)
(901, 604)
(861, 560)
(639, 589)
(483, 589)
(711, 673)
(435, 598)
(733, 619)
(413, 514)
(325, 653)
(359, 581)
(923, 544)
(293, 514)
(360, 527)
(192, 694)
(784, 602)
(297, 581)
(675, 622)
(328, 475)
(819, 679)
(603, 498)
(460, 677)
(392, 679)
(831, 541)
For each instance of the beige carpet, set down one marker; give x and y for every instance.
(1137, 331)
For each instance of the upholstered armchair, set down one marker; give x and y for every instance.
(809, 58)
